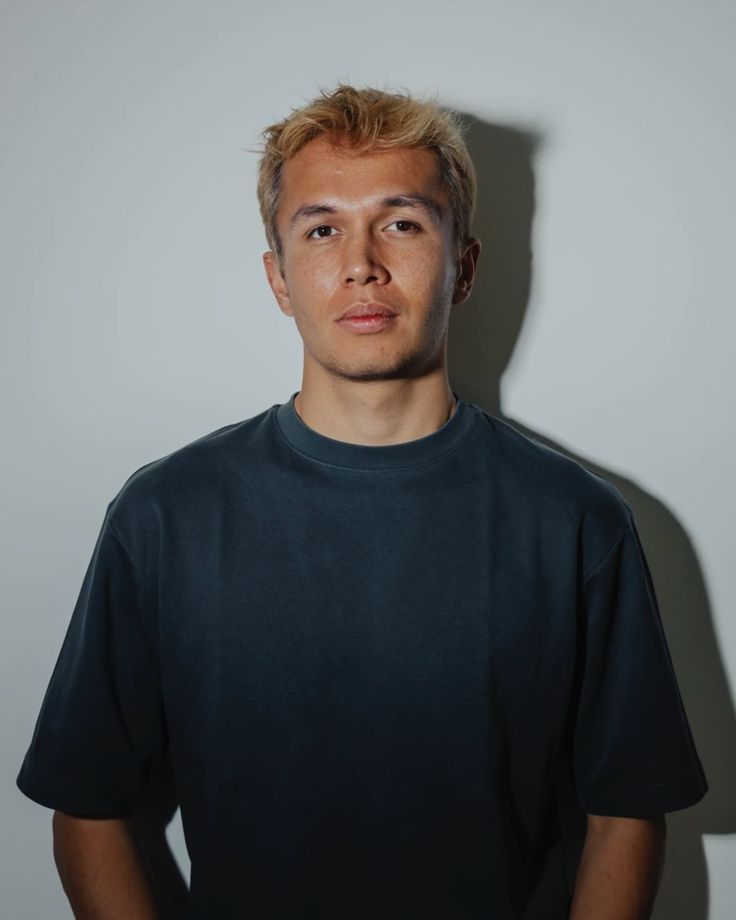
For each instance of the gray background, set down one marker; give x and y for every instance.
(136, 315)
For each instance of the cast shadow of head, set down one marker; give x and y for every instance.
(483, 334)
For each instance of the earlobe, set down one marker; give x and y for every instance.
(462, 291)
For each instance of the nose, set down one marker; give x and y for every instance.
(363, 263)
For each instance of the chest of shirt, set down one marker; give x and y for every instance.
(377, 602)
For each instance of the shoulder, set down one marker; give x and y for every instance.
(540, 481)
(189, 474)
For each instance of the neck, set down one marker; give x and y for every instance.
(371, 415)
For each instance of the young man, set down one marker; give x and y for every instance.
(369, 624)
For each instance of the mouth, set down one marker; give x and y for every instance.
(361, 311)
(367, 318)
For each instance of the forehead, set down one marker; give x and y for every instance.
(324, 170)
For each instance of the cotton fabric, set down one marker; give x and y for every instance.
(367, 664)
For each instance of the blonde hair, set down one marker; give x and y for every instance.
(370, 119)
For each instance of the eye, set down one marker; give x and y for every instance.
(404, 225)
(318, 230)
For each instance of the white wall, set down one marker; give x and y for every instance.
(136, 317)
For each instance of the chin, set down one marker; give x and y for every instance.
(388, 369)
(385, 364)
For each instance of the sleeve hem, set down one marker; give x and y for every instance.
(72, 800)
(646, 802)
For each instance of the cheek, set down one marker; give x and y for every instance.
(426, 274)
(313, 275)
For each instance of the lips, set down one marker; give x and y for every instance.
(367, 309)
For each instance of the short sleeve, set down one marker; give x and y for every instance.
(101, 733)
(633, 751)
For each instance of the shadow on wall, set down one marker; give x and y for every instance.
(483, 334)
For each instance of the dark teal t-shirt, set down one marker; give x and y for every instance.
(366, 664)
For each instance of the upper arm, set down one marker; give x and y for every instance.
(657, 823)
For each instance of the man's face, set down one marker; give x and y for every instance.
(373, 228)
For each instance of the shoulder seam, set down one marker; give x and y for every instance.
(140, 587)
(122, 545)
(596, 568)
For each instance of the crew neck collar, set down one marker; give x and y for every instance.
(319, 447)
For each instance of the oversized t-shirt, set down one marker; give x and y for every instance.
(366, 664)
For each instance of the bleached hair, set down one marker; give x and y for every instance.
(370, 119)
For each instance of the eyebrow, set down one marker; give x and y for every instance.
(413, 200)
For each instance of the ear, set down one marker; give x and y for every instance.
(466, 271)
(277, 282)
